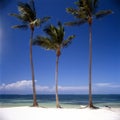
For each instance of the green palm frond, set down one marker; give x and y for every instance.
(32, 4)
(88, 4)
(20, 17)
(44, 19)
(73, 23)
(44, 42)
(60, 32)
(72, 11)
(95, 6)
(68, 41)
(26, 10)
(95, 3)
(81, 11)
(20, 26)
(16, 15)
(51, 31)
(102, 13)
(55, 33)
(78, 3)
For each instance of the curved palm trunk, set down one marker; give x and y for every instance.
(90, 66)
(56, 82)
(32, 70)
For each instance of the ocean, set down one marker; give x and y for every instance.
(66, 101)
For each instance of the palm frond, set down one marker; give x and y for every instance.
(44, 19)
(68, 41)
(94, 6)
(20, 26)
(95, 3)
(26, 11)
(51, 31)
(74, 23)
(60, 25)
(38, 22)
(20, 17)
(32, 4)
(78, 3)
(102, 13)
(44, 42)
(60, 32)
(72, 11)
(89, 4)
(16, 15)
(81, 11)
(55, 33)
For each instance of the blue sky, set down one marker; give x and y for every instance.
(15, 73)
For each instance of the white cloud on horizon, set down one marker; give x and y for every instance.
(17, 85)
(21, 86)
(102, 84)
(73, 88)
(25, 86)
(110, 85)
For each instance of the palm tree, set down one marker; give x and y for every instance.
(85, 13)
(27, 14)
(55, 41)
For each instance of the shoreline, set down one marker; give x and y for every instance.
(36, 113)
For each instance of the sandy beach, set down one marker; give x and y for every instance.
(33, 113)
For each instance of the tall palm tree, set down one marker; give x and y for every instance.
(85, 13)
(55, 41)
(27, 14)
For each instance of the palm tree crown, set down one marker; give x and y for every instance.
(55, 40)
(86, 11)
(27, 14)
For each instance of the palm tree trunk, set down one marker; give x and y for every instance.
(32, 70)
(90, 66)
(56, 82)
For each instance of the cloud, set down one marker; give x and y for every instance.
(42, 88)
(17, 85)
(102, 84)
(73, 88)
(110, 85)
(106, 88)
(25, 86)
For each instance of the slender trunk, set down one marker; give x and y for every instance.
(56, 82)
(90, 66)
(32, 70)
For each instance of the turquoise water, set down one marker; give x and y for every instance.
(66, 101)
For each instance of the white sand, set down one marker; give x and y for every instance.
(32, 113)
